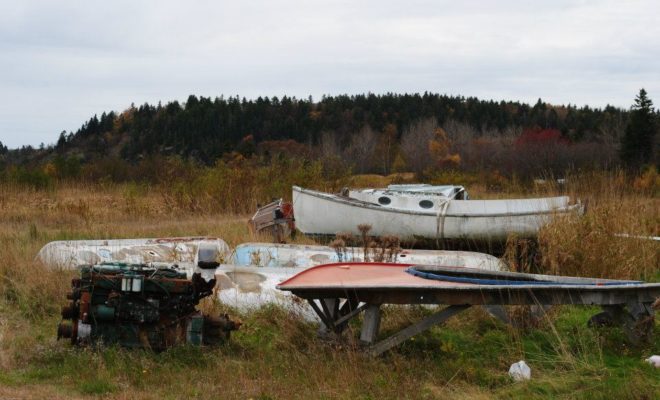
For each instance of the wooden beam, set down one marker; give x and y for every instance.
(350, 304)
(328, 323)
(350, 314)
(330, 307)
(412, 330)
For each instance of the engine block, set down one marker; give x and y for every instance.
(140, 306)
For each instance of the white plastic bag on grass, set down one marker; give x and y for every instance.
(520, 371)
(654, 361)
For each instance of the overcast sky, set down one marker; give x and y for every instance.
(63, 61)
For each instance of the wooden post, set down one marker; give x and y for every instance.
(371, 324)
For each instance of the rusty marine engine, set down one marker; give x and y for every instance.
(140, 306)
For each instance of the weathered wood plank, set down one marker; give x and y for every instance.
(328, 323)
(351, 314)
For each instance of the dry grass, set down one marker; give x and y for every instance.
(588, 245)
(276, 354)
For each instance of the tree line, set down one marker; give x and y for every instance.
(369, 133)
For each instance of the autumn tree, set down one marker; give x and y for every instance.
(540, 151)
(399, 164)
(247, 146)
(637, 142)
(414, 144)
(440, 150)
(361, 149)
(386, 149)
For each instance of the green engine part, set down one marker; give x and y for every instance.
(139, 306)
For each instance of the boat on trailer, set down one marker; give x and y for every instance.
(340, 292)
(412, 215)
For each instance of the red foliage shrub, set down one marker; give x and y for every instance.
(538, 136)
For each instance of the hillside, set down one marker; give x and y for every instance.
(205, 128)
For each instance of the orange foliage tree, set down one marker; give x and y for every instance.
(440, 150)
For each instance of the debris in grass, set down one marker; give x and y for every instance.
(520, 371)
(654, 361)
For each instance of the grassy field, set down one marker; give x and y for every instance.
(276, 353)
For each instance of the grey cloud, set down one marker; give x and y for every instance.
(61, 62)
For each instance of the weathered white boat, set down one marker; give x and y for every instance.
(248, 287)
(182, 251)
(257, 268)
(304, 256)
(437, 217)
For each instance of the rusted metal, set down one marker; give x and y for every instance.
(140, 306)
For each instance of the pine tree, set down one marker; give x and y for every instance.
(61, 142)
(637, 141)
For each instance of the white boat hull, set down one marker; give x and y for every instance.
(304, 256)
(179, 250)
(257, 268)
(490, 220)
(246, 288)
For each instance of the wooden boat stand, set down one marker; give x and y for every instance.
(628, 307)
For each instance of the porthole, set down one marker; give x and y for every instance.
(384, 200)
(426, 204)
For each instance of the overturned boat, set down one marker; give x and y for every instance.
(256, 269)
(274, 255)
(411, 215)
(182, 251)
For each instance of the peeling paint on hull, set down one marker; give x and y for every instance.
(259, 267)
(248, 287)
(178, 250)
(305, 256)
